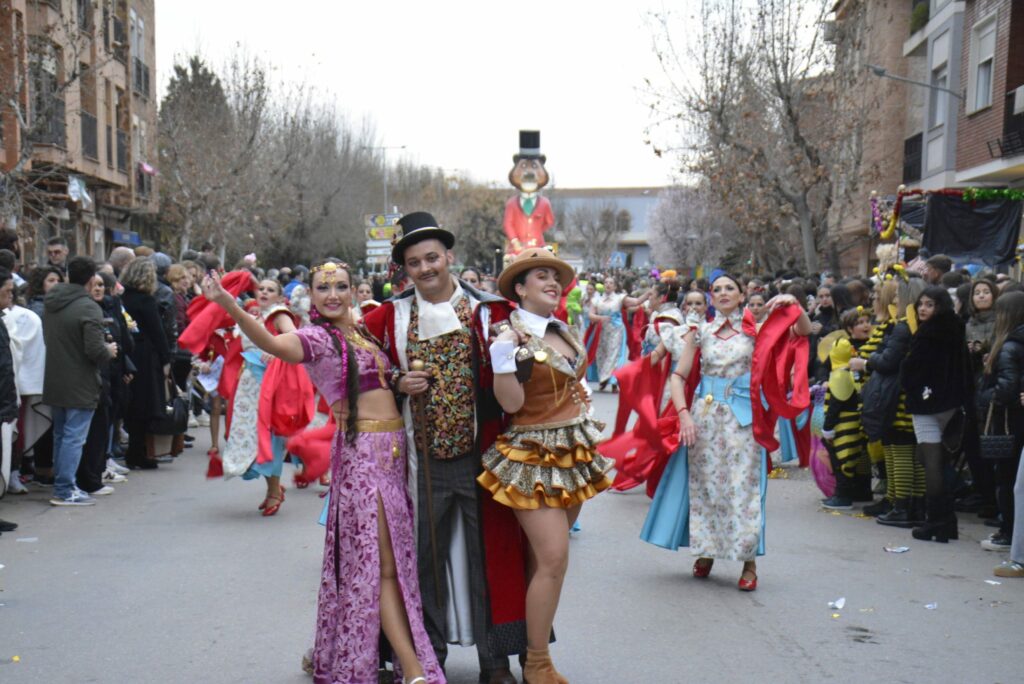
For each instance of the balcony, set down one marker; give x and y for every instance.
(912, 152)
(122, 151)
(1011, 143)
(140, 77)
(49, 126)
(90, 137)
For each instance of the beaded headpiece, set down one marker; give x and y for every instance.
(329, 269)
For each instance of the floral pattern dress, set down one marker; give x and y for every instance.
(612, 352)
(726, 465)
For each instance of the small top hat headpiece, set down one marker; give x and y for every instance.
(529, 146)
(416, 227)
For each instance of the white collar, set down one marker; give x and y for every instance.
(439, 319)
(537, 325)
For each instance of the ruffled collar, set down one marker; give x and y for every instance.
(735, 320)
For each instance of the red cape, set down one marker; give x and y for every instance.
(779, 372)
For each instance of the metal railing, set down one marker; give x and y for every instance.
(49, 126)
(122, 151)
(1011, 143)
(110, 145)
(90, 137)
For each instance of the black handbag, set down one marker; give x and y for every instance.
(880, 396)
(997, 447)
(175, 418)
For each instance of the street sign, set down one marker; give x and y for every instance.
(370, 260)
(378, 243)
(381, 226)
(378, 251)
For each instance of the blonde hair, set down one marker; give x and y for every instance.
(886, 296)
(140, 274)
(176, 272)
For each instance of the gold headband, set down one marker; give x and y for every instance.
(329, 267)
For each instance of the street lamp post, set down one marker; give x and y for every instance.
(881, 72)
(384, 149)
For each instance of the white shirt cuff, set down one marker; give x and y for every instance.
(503, 356)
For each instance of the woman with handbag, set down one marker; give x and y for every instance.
(1000, 396)
(937, 381)
(151, 357)
(370, 580)
(981, 320)
(884, 415)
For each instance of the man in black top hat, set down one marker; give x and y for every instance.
(452, 418)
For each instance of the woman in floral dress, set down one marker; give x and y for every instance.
(612, 351)
(727, 472)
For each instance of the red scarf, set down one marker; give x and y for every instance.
(778, 371)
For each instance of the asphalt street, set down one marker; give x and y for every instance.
(174, 578)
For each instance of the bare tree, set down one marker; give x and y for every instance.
(594, 231)
(751, 107)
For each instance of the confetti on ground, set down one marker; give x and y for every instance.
(896, 549)
(867, 610)
(778, 474)
(838, 604)
(835, 616)
(15, 659)
(931, 606)
(27, 540)
(992, 582)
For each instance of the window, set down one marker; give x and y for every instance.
(983, 53)
(937, 101)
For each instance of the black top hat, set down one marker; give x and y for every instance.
(529, 146)
(416, 227)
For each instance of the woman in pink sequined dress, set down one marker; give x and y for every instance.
(369, 580)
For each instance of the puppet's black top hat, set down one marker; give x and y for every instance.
(529, 146)
(416, 227)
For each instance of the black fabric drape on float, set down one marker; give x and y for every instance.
(985, 231)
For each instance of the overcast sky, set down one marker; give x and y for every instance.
(455, 80)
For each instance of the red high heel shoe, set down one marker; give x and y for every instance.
(263, 505)
(271, 509)
(702, 567)
(748, 585)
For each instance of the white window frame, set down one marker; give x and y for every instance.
(938, 101)
(979, 30)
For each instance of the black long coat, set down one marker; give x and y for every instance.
(150, 354)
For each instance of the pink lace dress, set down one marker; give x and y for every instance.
(348, 608)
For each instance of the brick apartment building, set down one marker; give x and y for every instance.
(77, 152)
(990, 144)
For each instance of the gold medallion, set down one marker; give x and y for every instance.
(540, 356)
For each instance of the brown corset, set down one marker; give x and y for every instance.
(552, 398)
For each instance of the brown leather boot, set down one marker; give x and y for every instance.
(539, 668)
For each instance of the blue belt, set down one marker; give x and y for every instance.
(734, 392)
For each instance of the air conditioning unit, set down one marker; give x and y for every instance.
(1018, 101)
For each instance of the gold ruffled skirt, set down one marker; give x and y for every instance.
(555, 467)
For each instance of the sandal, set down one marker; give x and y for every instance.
(702, 567)
(270, 509)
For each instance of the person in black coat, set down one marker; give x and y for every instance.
(151, 356)
(938, 384)
(1001, 389)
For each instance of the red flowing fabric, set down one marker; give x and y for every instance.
(562, 311)
(229, 377)
(313, 446)
(591, 341)
(642, 453)
(287, 404)
(779, 371)
(206, 318)
(635, 331)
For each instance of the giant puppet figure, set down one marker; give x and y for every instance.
(528, 214)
